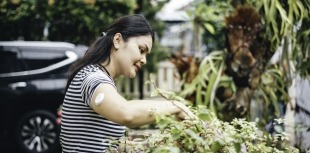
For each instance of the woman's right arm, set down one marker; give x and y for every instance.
(136, 112)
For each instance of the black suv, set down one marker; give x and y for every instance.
(32, 82)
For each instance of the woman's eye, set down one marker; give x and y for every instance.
(141, 50)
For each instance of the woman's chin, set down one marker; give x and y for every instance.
(132, 75)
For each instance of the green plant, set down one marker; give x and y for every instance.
(254, 30)
(209, 134)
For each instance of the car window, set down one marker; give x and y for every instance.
(10, 62)
(28, 61)
(33, 64)
(41, 53)
(37, 58)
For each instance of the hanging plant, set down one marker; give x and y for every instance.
(228, 80)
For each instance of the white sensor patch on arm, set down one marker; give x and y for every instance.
(99, 99)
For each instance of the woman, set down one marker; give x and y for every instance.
(94, 114)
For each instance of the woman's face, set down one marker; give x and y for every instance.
(131, 55)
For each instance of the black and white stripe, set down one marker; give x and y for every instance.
(82, 129)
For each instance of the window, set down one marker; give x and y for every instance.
(37, 58)
(10, 62)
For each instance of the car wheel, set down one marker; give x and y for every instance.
(37, 132)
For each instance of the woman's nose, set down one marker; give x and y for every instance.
(143, 59)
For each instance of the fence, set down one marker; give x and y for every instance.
(164, 79)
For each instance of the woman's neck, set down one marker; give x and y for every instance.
(109, 68)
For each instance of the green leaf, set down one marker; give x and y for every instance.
(233, 87)
(216, 146)
(154, 93)
(267, 78)
(147, 82)
(174, 150)
(198, 95)
(194, 136)
(278, 129)
(237, 147)
(209, 27)
(188, 89)
(204, 117)
(175, 134)
(282, 12)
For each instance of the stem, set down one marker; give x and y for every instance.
(172, 101)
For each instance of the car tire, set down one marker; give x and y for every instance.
(38, 132)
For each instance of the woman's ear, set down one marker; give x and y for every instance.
(117, 40)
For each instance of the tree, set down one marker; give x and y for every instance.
(78, 21)
(71, 21)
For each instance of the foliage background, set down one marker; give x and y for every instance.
(285, 27)
(75, 21)
(81, 21)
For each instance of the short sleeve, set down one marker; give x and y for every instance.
(90, 83)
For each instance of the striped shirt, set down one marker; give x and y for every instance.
(82, 129)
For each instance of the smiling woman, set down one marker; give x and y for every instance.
(94, 114)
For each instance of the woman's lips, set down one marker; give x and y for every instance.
(137, 68)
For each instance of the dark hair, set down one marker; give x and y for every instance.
(100, 50)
